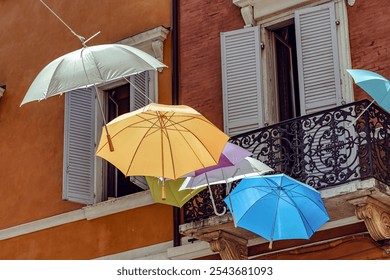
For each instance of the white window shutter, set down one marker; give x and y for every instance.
(241, 80)
(320, 88)
(140, 96)
(139, 90)
(318, 63)
(79, 146)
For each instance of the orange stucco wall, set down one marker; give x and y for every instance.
(95, 238)
(31, 145)
(369, 28)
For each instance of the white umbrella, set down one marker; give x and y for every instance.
(245, 168)
(89, 66)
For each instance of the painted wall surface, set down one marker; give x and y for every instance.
(31, 145)
(369, 28)
(95, 238)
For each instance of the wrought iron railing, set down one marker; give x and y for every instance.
(323, 149)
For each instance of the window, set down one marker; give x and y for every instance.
(286, 66)
(281, 68)
(88, 179)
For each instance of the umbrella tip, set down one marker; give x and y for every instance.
(270, 245)
(163, 195)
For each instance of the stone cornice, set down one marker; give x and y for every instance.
(150, 41)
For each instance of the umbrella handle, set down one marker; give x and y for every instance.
(109, 140)
(214, 206)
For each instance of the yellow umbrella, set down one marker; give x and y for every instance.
(165, 141)
(174, 196)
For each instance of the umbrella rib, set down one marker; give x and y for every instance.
(300, 214)
(97, 68)
(173, 123)
(133, 126)
(51, 81)
(138, 146)
(309, 198)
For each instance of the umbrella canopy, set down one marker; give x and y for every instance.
(231, 154)
(377, 86)
(174, 197)
(277, 207)
(225, 174)
(89, 66)
(163, 141)
(244, 168)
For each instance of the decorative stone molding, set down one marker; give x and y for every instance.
(351, 2)
(150, 41)
(376, 216)
(229, 247)
(247, 15)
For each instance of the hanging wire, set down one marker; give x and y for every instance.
(83, 42)
(138, 89)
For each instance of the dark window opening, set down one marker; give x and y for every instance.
(117, 183)
(287, 73)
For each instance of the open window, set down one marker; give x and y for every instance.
(282, 69)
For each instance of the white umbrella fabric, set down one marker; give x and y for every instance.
(245, 168)
(89, 66)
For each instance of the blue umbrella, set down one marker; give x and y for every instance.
(377, 86)
(277, 207)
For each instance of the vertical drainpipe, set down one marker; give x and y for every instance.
(175, 97)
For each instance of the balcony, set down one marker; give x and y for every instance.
(349, 163)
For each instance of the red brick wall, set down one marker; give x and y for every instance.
(369, 31)
(200, 83)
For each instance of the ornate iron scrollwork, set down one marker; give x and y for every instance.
(323, 149)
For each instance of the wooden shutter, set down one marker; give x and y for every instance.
(241, 86)
(79, 146)
(140, 96)
(320, 88)
(318, 64)
(139, 90)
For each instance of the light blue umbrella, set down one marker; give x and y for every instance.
(277, 207)
(377, 86)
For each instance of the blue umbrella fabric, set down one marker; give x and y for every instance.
(377, 86)
(277, 207)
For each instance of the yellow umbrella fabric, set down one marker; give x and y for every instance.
(165, 141)
(174, 197)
